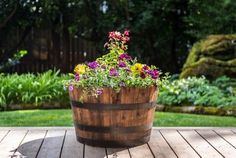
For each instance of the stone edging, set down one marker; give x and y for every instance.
(198, 110)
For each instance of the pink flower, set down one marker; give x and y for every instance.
(126, 33)
(125, 39)
(99, 92)
(71, 87)
(113, 72)
(115, 35)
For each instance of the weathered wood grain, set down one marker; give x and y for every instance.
(94, 152)
(61, 142)
(228, 135)
(72, 148)
(159, 146)
(3, 134)
(141, 152)
(52, 145)
(117, 153)
(178, 144)
(219, 144)
(203, 148)
(30, 145)
(10, 143)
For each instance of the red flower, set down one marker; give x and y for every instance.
(142, 75)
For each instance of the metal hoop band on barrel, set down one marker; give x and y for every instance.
(101, 106)
(115, 143)
(110, 129)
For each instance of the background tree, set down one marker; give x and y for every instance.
(162, 31)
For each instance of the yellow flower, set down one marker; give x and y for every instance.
(80, 69)
(136, 68)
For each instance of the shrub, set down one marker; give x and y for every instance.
(32, 89)
(198, 91)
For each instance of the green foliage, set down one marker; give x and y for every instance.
(211, 17)
(32, 89)
(163, 30)
(213, 56)
(14, 60)
(198, 91)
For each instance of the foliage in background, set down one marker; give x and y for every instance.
(162, 30)
(211, 17)
(199, 91)
(14, 60)
(47, 88)
(32, 89)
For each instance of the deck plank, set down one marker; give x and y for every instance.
(220, 144)
(72, 148)
(3, 133)
(94, 152)
(141, 152)
(10, 143)
(159, 146)
(178, 144)
(228, 135)
(52, 144)
(199, 144)
(61, 142)
(29, 147)
(117, 153)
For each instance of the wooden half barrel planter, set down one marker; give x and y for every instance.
(112, 119)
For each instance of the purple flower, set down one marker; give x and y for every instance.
(122, 64)
(93, 65)
(77, 77)
(71, 87)
(153, 73)
(99, 92)
(124, 56)
(122, 84)
(113, 72)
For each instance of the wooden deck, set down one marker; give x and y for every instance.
(43, 142)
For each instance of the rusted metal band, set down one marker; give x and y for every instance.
(110, 129)
(101, 106)
(114, 144)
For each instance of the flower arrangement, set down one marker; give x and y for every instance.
(115, 69)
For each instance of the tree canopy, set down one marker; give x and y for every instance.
(162, 31)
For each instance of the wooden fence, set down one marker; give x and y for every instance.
(47, 50)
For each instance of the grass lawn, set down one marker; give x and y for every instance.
(64, 118)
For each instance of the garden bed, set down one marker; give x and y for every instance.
(226, 111)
